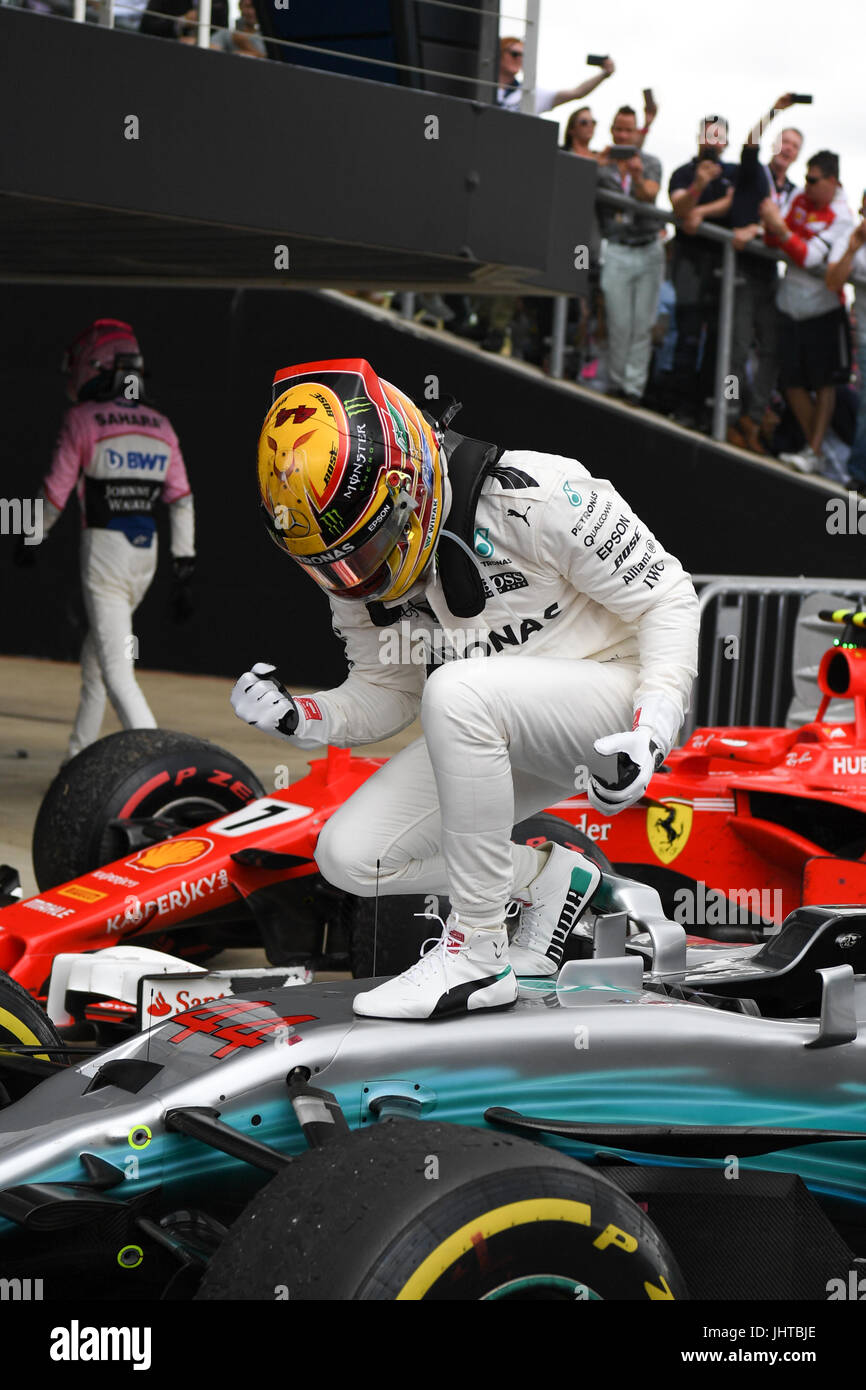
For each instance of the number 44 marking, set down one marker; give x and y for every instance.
(264, 812)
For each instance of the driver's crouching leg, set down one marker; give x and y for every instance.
(386, 835)
(476, 715)
(469, 969)
(466, 729)
(346, 855)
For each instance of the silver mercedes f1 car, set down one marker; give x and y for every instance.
(660, 1121)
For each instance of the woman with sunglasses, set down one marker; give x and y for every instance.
(578, 133)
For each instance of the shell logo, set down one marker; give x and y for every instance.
(171, 854)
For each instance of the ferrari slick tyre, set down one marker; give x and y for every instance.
(400, 933)
(22, 1021)
(136, 774)
(411, 1210)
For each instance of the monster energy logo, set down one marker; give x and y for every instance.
(356, 405)
(333, 520)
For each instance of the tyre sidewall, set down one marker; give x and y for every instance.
(23, 1021)
(598, 1239)
(198, 775)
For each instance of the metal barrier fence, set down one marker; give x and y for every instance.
(748, 640)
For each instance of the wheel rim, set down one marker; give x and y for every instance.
(190, 811)
(186, 812)
(543, 1286)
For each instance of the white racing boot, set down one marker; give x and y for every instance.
(557, 898)
(467, 969)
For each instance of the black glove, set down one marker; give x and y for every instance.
(180, 600)
(24, 555)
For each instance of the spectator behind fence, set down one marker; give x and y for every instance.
(496, 316)
(510, 91)
(700, 191)
(578, 133)
(756, 322)
(579, 130)
(245, 38)
(853, 265)
(160, 18)
(814, 330)
(633, 264)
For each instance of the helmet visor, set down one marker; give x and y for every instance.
(358, 568)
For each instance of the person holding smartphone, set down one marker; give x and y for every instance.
(701, 190)
(633, 263)
(509, 93)
(756, 321)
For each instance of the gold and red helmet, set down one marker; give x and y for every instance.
(350, 477)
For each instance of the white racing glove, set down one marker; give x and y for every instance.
(640, 752)
(262, 700)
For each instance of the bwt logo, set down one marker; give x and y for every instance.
(135, 459)
(150, 461)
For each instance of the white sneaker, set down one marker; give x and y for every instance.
(806, 461)
(557, 898)
(467, 969)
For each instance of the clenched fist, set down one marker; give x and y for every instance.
(261, 700)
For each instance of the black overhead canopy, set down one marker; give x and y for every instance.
(134, 158)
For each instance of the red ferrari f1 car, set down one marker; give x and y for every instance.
(165, 841)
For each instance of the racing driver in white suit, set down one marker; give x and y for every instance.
(568, 640)
(122, 457)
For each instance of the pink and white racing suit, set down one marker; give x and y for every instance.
(121, 457)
